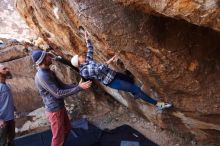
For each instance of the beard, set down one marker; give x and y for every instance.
(49, 63)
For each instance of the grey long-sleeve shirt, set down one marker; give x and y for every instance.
(52, 90)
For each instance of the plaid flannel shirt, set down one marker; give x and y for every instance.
(93, 70)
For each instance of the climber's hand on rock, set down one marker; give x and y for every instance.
(115, 58)
(85, 85)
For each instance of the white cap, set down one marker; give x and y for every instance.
(75, 61)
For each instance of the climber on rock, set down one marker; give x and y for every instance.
(89, 69)
(53, 92)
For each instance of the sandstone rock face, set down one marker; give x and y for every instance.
(11, 24)
(171, 60)
(199, 12)
(16, 57)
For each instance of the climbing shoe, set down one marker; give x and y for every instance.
(81, 29)
(162, 105)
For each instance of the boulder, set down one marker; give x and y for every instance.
(172, 60)
(199, 12)
(15, 56)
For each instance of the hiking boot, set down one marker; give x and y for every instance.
(162, 105)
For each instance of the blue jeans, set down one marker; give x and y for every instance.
(124, 83)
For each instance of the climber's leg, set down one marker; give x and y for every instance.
(124, 77)
(120, 84)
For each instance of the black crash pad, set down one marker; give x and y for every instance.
(86, 134)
